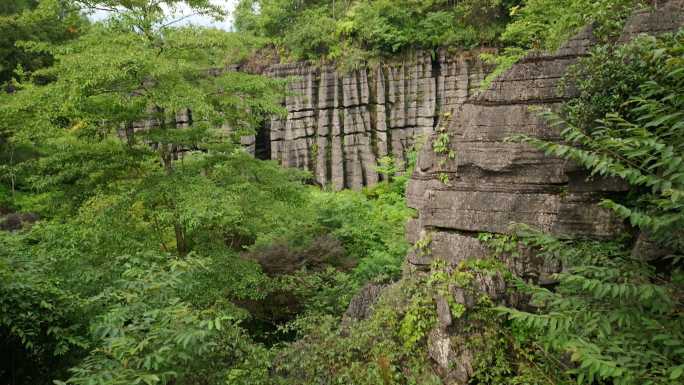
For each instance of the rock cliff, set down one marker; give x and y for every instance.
(339, 124)
(488, 183)
(469, 179)
(492, 182)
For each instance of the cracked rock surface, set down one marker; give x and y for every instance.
(339, 124)
(493, 183)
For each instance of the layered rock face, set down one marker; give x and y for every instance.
(340, 123)
(489, 183)
(493, 182)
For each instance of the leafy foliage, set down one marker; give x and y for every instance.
(354, 31)
(364, 29)
(40, 320)
(617, 313)
(546, 24)
(150, 335)
(51, 21)
(380, 350)
(612, 313)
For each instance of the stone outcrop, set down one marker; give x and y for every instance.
(491, 183)
(361, 306)
(339, 124)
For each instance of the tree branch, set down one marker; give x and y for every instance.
(179, 19)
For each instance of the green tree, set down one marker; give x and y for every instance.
(354, 30)
(51, 21)
(125, 189)
(136, 70)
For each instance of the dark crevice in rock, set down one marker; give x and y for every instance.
(388, 110)
(372, 111)
(340, 117)
(436, 77)
(449, 230)
(543, 58)
(262, 149)
(328, 150)
(313, 140)
(528, 102)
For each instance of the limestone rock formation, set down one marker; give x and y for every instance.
(491, 183)
(494, 183)
(340, 123)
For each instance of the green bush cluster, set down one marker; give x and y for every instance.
(338, 30)
(547, 24)
(351, 32)
(387, 348)
(97, 290)
(95, 287)
(51, 21)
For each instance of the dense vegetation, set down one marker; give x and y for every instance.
(46, 21)
(354, 31)
(148, 257)
(162, 253)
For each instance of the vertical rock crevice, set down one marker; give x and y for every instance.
(262, 144)
(436, 73)
(388, 106)
(339, 169)
(313, 140)
(372, 115)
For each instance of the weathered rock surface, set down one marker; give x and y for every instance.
(361, 306)
(339, 124)
(493, 183)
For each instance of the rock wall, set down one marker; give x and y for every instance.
(339, 124)
(493, 183)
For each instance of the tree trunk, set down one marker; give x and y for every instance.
(181, 244)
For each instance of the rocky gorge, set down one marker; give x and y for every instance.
(339, 124)
(482, 192)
